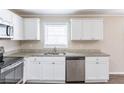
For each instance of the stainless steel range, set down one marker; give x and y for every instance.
(1, 54)
(11, 69)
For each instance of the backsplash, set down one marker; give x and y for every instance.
(10, 45)
(58, 50)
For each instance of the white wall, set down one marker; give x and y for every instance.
(112, 44)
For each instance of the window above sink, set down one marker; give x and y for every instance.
(56, 35)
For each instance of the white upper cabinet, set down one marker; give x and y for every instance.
(5, 17)
(17, 27)
(31, 28)
(23, 28)
(76, 29)
(87, 29)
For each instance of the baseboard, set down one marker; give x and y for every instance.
(116, 73)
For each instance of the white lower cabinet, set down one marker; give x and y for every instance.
(59, 70)
(96, 69)
(53, 71)
(45, 69)
(33, 70)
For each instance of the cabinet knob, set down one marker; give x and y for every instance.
(35, 59)
(97, 62)
(53, 62)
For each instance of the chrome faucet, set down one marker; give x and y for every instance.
(55, 50)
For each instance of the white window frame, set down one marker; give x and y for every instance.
(57, 46)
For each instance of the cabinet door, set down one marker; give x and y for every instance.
(87, 30)
(32, 28)
(18, 27)
(97, 26)
(96, 70)
(92, 29)
(1, 15)
(34, 70)
(47, 71)
(76, 29)
(6, 16)
(59, 71)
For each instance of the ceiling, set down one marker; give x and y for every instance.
(69, 11)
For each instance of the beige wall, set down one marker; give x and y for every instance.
(10, 45)
(112, 44)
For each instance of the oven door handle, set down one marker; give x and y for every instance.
(11, 66)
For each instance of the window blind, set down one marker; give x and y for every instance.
(56, 35)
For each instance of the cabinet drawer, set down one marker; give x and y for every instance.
(101, 59)
(34, 62)
(47, 59)
(97, 62)
(56, 59)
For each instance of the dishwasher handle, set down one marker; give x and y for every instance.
(75, 58)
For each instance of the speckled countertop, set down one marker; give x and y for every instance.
(77, 52)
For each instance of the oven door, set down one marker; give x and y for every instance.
(12, 74)
(8, 77)
(18, 74)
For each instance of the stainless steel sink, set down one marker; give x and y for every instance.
(52, 54)
(49, 54)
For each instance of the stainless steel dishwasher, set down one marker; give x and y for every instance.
(75, 69)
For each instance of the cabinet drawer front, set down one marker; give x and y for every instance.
(104, 59)
(47, 59)
(34, 62)
(97, 62)
(51, 59)
(101, 59)
(32, 59)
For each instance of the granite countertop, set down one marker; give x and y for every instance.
(90, 54)
(40, 53)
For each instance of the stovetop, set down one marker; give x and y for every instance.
(8, 61)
